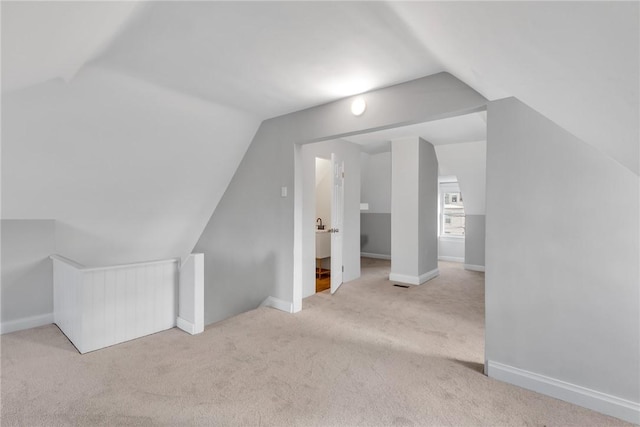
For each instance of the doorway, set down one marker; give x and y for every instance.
(304, 212)
(323, 224)
(343, 230)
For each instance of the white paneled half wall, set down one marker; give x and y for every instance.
(100, 307)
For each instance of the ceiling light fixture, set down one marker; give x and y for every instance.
(358, 106)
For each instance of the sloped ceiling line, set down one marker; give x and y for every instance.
(42, 41)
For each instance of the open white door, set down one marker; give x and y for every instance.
(337, 221)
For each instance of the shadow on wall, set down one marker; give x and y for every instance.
(251, 285)
(375, 233)
(27, 290)
(80, 244)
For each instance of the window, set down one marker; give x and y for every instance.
(451, 210)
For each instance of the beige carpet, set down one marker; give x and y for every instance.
(373, 354)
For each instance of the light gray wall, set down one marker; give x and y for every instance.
(474, 239)
(27, 271)
(562, 250)
(249, 240)
(375, 223)
(375, 233)
(350, 154)
(428, 207)
(451, 248)
(376, 182)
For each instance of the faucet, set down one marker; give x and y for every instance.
(319, 226)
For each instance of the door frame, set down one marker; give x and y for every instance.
(337, 222)
(303, 237)
(304, 212)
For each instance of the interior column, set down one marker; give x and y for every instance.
(414, 211)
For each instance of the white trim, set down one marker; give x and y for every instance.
(450, 238)
(67, 261)
(187, 326)
(376, 256)
(278, 304)
(414, 280)
(474, 267)
(191, 294)
(451, 259)
(582, 396)
(429, 275)
(111, 267)
(26, 323)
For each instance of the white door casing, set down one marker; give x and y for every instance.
(337, 223)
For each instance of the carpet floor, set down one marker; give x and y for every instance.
(372, 355)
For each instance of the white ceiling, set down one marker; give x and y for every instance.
(453, 130)
(47, 40)
(270, 58)
(577, 63)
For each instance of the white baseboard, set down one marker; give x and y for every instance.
(278, 304)
(451, 259)
(188, 327)
(414, 280)
(26, 323)
(585, 397)
(474, 267)
(376, 256)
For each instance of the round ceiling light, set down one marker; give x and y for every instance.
(358, 106)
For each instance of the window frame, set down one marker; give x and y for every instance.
(449, 186)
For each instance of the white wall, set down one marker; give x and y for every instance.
(562, 250)
(350, 153)
(131, 171)
(100, 307)
(414, 211)
(468, 162)
(323, 191)
(27, 275)
(404, 205)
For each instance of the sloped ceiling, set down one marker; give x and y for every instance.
(46, 40)
(130, 171)
(270, 58)
(576, 63)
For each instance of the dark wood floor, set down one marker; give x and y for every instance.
(323, 283)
